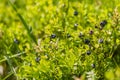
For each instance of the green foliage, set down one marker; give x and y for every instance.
(60, 39)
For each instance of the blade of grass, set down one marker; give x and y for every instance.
(11, 57)
(24, 23)
(13, 71)
(8, 76)
(10, 64)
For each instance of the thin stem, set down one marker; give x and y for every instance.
(24, 23)
(114, 41)
(8, 76)
(115, 63)
(16, 55)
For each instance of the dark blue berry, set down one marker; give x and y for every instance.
(96, 26)
(88, 52)
(103, 23)
(68, 35)
(91, 32)
(93, 65)
(53, 36)
(75, 13)
(37, 59)
(16, 41)
(100, 41)
(86, 41)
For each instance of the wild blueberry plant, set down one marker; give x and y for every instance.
(69, 39)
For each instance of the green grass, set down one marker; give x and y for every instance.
(40, 39)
